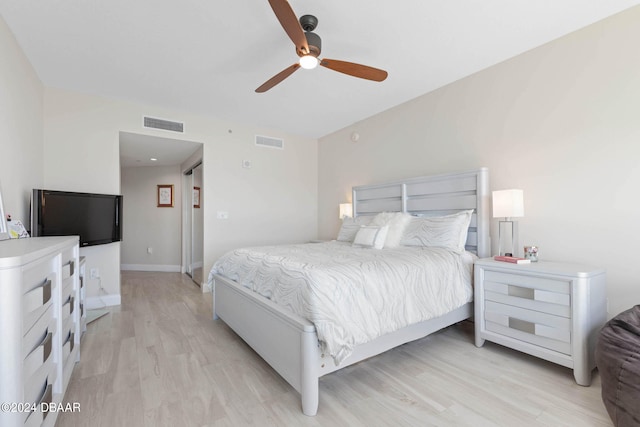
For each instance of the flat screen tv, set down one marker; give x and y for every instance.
(96, 218)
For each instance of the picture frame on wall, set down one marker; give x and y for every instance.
(196, 197)
(165, 195)
(4, 231)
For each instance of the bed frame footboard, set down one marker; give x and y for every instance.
(289, 342)
(285, 341)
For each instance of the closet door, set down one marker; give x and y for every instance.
(194, 222)
(197, 226)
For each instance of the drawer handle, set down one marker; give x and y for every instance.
(46, 343)
(520, 292)
(522, 325)
(46, 291)
(71, 341)
(71, 301)
(47, 397)
(68, 269)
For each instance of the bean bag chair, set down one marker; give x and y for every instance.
(618, 361)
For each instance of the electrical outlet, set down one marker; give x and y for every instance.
(95, 273)
(149, 250)
(222, 215)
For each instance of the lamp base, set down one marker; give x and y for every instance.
(507, 238)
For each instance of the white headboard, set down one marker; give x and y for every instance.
(434, 195)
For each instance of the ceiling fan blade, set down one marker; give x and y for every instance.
(356, 70)
(290, 23)
(278, 78)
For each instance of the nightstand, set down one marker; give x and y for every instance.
(550, 310)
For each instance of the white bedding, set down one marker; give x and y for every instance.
(352, 294)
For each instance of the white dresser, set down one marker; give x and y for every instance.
(547, 309)
(40, 321)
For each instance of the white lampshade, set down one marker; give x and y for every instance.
(346, 210)
(508, 203)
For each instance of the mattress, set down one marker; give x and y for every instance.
(353, 295)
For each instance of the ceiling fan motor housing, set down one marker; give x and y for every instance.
(314, 42)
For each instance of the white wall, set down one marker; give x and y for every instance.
(148, 226)
(273, 202)
(561, 122)
(21, 149)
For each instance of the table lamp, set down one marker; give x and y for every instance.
(508, 204)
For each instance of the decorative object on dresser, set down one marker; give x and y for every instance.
(41, 318)
(508, 204)
(291, 343)
(550, 310)
(618, 361)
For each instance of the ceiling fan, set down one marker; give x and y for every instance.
(308, 47)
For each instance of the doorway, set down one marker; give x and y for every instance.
(194, 222)
(154, 236)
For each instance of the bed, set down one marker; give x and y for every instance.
(290, 342)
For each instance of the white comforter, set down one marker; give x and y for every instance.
(351, 294)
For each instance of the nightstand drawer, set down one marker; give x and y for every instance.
(540, 341)
(538, 324)
(558, 304)
(529, 281)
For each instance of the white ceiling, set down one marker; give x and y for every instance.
(209, 56)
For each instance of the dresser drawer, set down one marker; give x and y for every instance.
(67, 289)
(35, 419)
(38, 357)
(555, 301)
(68, 343)
(67, 308)
(45, 324)
(36, 302)
(34, 385)
(34, 274)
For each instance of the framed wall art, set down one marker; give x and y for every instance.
(165, 195)
(196, 197)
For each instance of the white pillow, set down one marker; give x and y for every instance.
(350, 227)
(448, 231)
(371, 236)
(397, 222)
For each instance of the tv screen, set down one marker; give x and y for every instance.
(96, 218)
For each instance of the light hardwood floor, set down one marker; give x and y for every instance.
(160, 360)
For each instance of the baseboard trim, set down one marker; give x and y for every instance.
(92, 303)
(151, 267)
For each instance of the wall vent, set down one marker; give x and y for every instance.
(155, 123)
(267, 141)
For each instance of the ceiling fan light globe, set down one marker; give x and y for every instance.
(308, 62)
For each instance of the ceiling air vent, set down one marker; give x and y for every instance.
(154, 123)
(266, 141)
